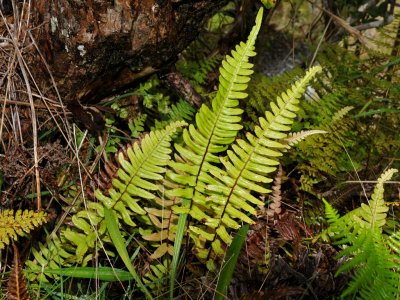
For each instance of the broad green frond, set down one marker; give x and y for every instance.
(229, 192)
(131, 195)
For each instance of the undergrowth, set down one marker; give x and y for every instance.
(231, 194)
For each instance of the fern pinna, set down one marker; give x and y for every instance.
(368, 252)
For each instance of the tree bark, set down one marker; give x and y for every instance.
(95, 48)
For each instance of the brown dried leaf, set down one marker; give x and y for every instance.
(16, 287)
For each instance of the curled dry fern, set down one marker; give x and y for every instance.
(17, 288)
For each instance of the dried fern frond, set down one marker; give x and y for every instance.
(14, 225)
(276, 196)
(16, 287)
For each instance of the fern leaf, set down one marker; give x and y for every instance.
(130, 190)
(135, 178)
(375, 277)
(215, 129)
(276, 196)
(17, 224)
(332, 214)
(16, 287)
(246, 167)
(296, 137)
(376, 269)
(375, 213)
(218, 126)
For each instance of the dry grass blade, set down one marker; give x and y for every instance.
(16, 287)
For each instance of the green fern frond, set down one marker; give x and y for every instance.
(136, 125)
(341, 113)
(376, 269)
(331, 213)
(14, 224)
(215, 130)
(217, 127)
(181, 111)
(144, 164)
(51, 255)
(375, 213)
(319, 156)
(375, 277)
(263, 90)
(199, 69)
(132, 191)
(247, 166)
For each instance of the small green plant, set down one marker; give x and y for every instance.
(368, 251)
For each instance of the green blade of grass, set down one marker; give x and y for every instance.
(101, 273)
(230, 263)
(180, 229)
(119, 243)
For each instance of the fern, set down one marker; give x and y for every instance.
(246, 168)
(376, 269)
(320, 154)
(212, 179)
(136, 125)
(17, 288)
(216, 129)
(14, 224)
(263, 90)
(274, 208)
(199, 69)
(181, 111)
(142, 164)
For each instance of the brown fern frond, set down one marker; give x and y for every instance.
(16, 287)
(276, 196)
(14, 225)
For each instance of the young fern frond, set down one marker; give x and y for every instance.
(376, 269)
(229, 192)
(296, 137)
